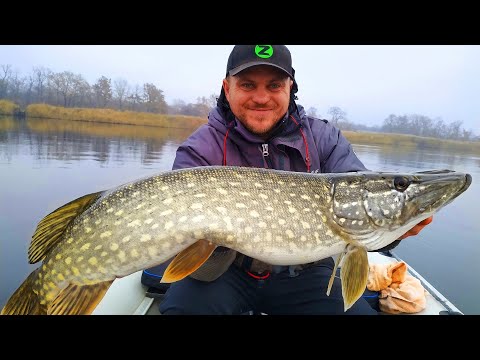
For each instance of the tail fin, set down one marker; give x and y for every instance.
(24, 301)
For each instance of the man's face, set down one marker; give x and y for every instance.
(259, 97)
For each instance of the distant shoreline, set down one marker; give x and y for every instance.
(411, 141)
(193, 122)
(114, 116)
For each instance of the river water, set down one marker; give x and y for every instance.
(47, 163)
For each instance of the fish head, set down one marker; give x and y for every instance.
(370, 205)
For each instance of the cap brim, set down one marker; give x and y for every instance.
(255, 63)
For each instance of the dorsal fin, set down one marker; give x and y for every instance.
(50, 229)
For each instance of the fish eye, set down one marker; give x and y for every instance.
(401, 183)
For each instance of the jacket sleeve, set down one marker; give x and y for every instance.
(200, 149)
(187, 157)
(339, 156)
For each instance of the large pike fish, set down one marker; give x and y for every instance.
(278, 217)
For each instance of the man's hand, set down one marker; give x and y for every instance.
(412, 232)
(417, 228)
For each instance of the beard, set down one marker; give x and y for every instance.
(260, 125)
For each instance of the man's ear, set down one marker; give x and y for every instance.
(226, 88)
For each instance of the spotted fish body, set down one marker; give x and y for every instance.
(278, 217)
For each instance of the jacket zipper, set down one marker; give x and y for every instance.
(266, 155)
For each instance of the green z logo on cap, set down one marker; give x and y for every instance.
(264, 51)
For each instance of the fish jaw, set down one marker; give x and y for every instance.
(376, 209)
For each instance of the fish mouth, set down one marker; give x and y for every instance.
(452, 178)
(457, 182)
(468, 182)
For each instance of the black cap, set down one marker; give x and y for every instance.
(245, 56)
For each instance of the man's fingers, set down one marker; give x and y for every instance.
(417, 228)
(426, 221)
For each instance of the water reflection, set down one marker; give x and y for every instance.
(406, 158)
(72, 141)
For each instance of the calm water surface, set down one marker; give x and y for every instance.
(47, 163)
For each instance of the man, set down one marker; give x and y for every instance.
(257, 123)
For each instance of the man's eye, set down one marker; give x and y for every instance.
(247, 86)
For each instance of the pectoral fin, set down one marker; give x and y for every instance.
(337, 262)
(216, 265)
(188, 260)
(354, 275)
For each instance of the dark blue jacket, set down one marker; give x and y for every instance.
(299, 143)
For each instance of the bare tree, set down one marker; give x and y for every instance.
(120, 90)
(83, 94)
(29, 89)
(454, 130)
(5, 75)
(419, 125)
(103, 91)
(17, 87)
(467, 135)
(40, 76)
(177, 107)
(64, 83)
(203, 106)
(439, 129)
(312, 111)
(135, 99)
(212, 100)
(337, 114)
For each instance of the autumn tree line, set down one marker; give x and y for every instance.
(72, 90)
(67, 89)
(413, 124)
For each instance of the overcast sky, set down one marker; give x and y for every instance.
(369, 82)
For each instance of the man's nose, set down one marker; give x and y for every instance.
(261, 95)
